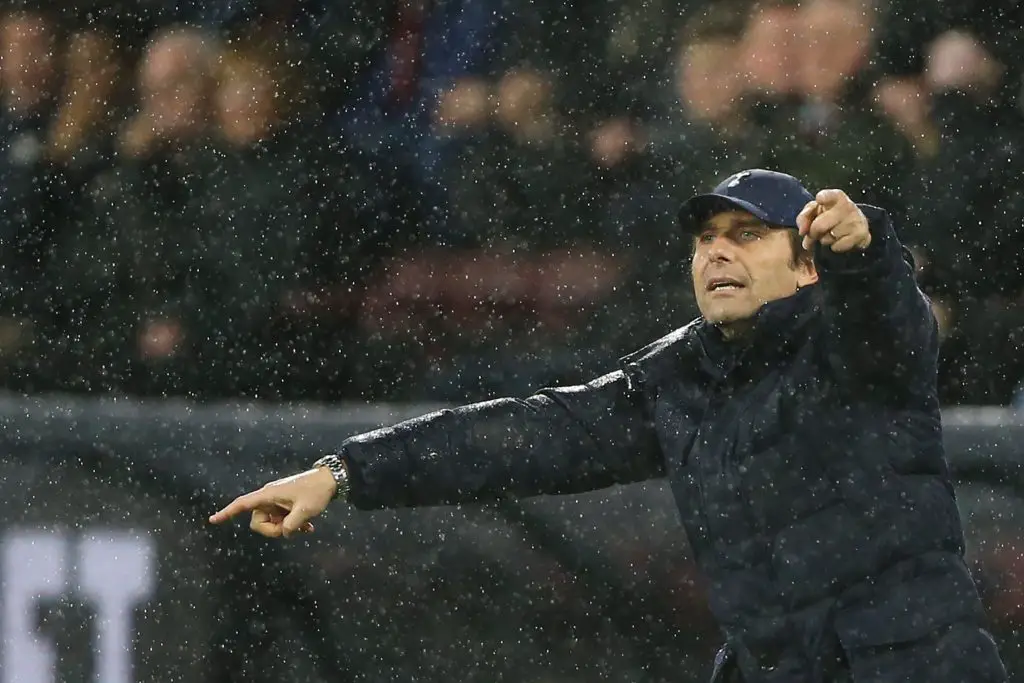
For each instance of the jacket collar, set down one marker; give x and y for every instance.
(778, 326)
(699, 347)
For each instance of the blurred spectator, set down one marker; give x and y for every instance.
(129, 271)
(773, 49)
(337, 42)
(428, 49)
(266, 208)
(34, 197)
(704, 129)
(91, 103)
(250, 102)
(321, 199)
(936, 47)
(602, 58)
(30, 64)
(519, 226)
(176, 84)
(949, 75)
(534, 202)
(826, 130)
(164, 149)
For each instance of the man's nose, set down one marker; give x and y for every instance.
(721, 249)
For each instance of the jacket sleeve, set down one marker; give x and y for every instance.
(879, 322)
(561, 440)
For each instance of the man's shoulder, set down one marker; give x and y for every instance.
(676, 344)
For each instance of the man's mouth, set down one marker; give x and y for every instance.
(719, 284)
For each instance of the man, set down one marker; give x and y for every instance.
(796, 422)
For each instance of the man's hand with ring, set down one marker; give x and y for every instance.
(834, 220)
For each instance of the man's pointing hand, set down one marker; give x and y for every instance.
(833, 219)
(285, 506)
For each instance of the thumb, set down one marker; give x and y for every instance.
(296, 520)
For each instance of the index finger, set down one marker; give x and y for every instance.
(245, 503)
(806, 215)
(830, 198)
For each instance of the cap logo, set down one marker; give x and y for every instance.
(735, 180)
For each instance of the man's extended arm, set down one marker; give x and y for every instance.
(561, 440)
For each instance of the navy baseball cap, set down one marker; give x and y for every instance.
(775, 198)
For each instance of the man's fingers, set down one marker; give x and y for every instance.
(297, 520)
(271, 523)
(841, 230)
(820, 215)
(283, 507)
(820, 228)
(267, 530)
(831, 198)
(266, 523)
(824, 223)
(246, 503)
(806, 216)
(846, 243)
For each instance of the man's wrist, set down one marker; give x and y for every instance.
(872, 255)
(339, 471)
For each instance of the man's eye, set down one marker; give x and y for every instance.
(749, 235)
(707, 237)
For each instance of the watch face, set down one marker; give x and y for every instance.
(99, 582)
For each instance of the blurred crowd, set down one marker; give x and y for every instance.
(451, 199)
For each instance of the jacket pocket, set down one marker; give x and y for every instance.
(955, 653)
(909, 610)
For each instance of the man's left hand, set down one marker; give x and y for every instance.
(834, 220)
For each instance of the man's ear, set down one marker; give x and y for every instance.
(807, 274)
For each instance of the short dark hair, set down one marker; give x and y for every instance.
(801, 256)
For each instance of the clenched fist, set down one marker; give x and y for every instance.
(285, 506)
(832, 219)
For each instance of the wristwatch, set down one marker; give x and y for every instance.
(339, 470)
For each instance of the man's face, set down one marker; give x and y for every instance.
(739, 264)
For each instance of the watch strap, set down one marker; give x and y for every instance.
(339, 470)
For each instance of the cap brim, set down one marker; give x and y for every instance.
(698, 209)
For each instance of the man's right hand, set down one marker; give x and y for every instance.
(285, 506)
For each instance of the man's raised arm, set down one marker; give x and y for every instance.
(880, 322)
(561, 440)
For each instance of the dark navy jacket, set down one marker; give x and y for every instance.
(806, 461)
